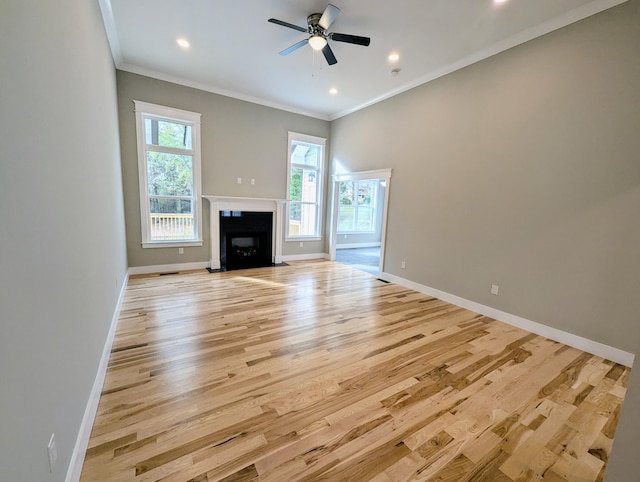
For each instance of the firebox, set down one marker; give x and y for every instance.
(245, 239)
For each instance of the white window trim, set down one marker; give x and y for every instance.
(321, 141)
(192, 118)
(373, 206)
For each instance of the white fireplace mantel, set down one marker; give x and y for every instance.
(228, 203)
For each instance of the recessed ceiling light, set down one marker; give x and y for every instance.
(499, 1)
(183, 42)
(394, 57)
(333, 91)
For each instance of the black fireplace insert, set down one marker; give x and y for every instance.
(245, 239)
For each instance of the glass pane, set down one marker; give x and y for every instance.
(170, 206)
(167, 134)
(294, 219)
(308, 154)
(346, 218)
(171, 219)
(346, 193)
(365, 219)
(302, 219)
(309, 186)
(295, 186)
(304, 186)
(366, 193)
(169, 174)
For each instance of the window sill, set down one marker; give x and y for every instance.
(303, 238)
(172, 244)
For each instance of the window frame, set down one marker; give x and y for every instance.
(320, 174)
(373, 206)
(144, 110)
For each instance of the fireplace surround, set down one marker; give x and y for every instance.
(221, 205)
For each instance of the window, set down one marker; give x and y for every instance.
(305, 180)
(357, 206)
(169, 172)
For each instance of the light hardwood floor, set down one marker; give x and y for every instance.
(317, 371)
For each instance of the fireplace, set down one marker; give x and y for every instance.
(245, 239)
(246, 250)
(229, 205)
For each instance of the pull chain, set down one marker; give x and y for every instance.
(313, 63)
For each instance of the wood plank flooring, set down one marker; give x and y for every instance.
(317, 371)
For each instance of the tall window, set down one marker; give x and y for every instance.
(169, 172)
(357, 206)
(304, 194)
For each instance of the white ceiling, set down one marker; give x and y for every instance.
(234, 50)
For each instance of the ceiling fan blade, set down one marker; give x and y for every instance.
(329, 16)
(295, 46)
(350, 39)
(328, 54)
(287, 24)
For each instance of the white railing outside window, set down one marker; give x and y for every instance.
(171, 226)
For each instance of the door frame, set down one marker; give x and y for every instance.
(385, 176)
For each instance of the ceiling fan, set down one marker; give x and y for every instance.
(317, 27)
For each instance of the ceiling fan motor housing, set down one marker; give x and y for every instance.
(313, 21)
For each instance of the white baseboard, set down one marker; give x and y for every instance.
(82, 441)
(302, 257)
(584, 344)
(166, 268)
(357, 245)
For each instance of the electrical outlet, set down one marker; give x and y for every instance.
(52, 451)
(301, 244)
(253, 182)
(495, 289)
(345, 236)
(239, 180)
(403, 265)
(180, 250)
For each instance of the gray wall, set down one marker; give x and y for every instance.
(239, 139)
(522, 171)
(62, 244)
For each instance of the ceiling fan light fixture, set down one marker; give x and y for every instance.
(317, 42)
